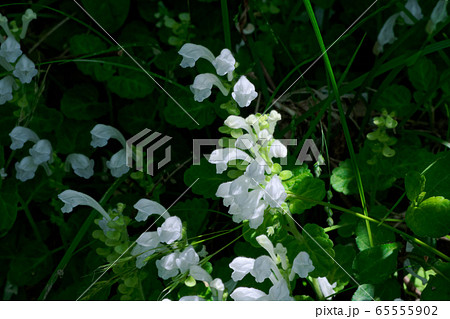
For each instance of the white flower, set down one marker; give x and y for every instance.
(302, 266)
(149, 239)
(200, 274)
(281, 251)
(224, 63)
(146, 245)
(277, 149)
(148, 207)
(222, 156)
(25, 169)
(244, 92)
(4, 25)
(81, 165)
(25, 69)
(6, 89)
(186, 259)
(20, 135)
(255, 171)
(3, 175)
(265, 243)
(279, 292)
(26, 19)
(413, 7)
(41, 152)
(72, 198)
(273, 118)
(103, 224)
(438, 15)
(167, 267)
(192, 52)
(386, 34)
(118, 163)
(237, 122)
(275, 194)
(191, 298)
(10, 50)
(102, 133)
(217, 288)
(170, 230)
(203, 83)
(325, 287)
(247, 294)
(241, 266)
(262, 268)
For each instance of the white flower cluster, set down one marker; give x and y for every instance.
(100, 136)
(243, 91)
(265, 267)
(12, 59)
(40, 153)
(259, 187)
(387, 35)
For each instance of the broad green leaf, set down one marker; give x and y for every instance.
(131, 84)
(319, 247)
(202, 112)
(8, 207)
(205, 178)
(46, 119)
(380, 235)
(431, 218)
(414, 184)
(423, 74)
(348, 223)
(344, 257)
(386, 291)
(376, 264)
(81, 103)
(364, 292)
(73, 137)
(438, 177)
(438, 287)
(110, 14)
(343, 178)
(395, 98)
(90, 44)
(308, 187)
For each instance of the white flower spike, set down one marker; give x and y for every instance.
(192, 52)
(72, 198)
(20, 135)
(81, 165)
(225, 63)
(148, 207)
(118, 164)
(244, 92)
(413, 7)
(41, 152)
(10, 50)
(25, 70)
(203, 83)
(25, 169)
(6, 89)
(102, 133)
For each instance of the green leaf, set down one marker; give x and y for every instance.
(46, 119)
(364, 292)
(386, 291)
(308, 187)
(376, 264)
(9, 200)
(316, 241)
(380, 235)
(81, 103)
(110, 14)
(414, 184)
(344, 257)
(438, 287)
(431, 218)
(395, 98)
(194, 212)
(131, 84)
(423, 75)
(343, 178)
(208, 180)
(90, 44)
(202, 112)
(348, 223)
(438, 177)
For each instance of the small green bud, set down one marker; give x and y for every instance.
(284, 175)
(390, 122)
(378, 121)
(372, 136)
(276, 168)
(190, 281)
(388, 152)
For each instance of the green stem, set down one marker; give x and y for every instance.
(316, 287)
(348, 139)
(373, 220)
(79, 236)
(226, 23)
(31, 220)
